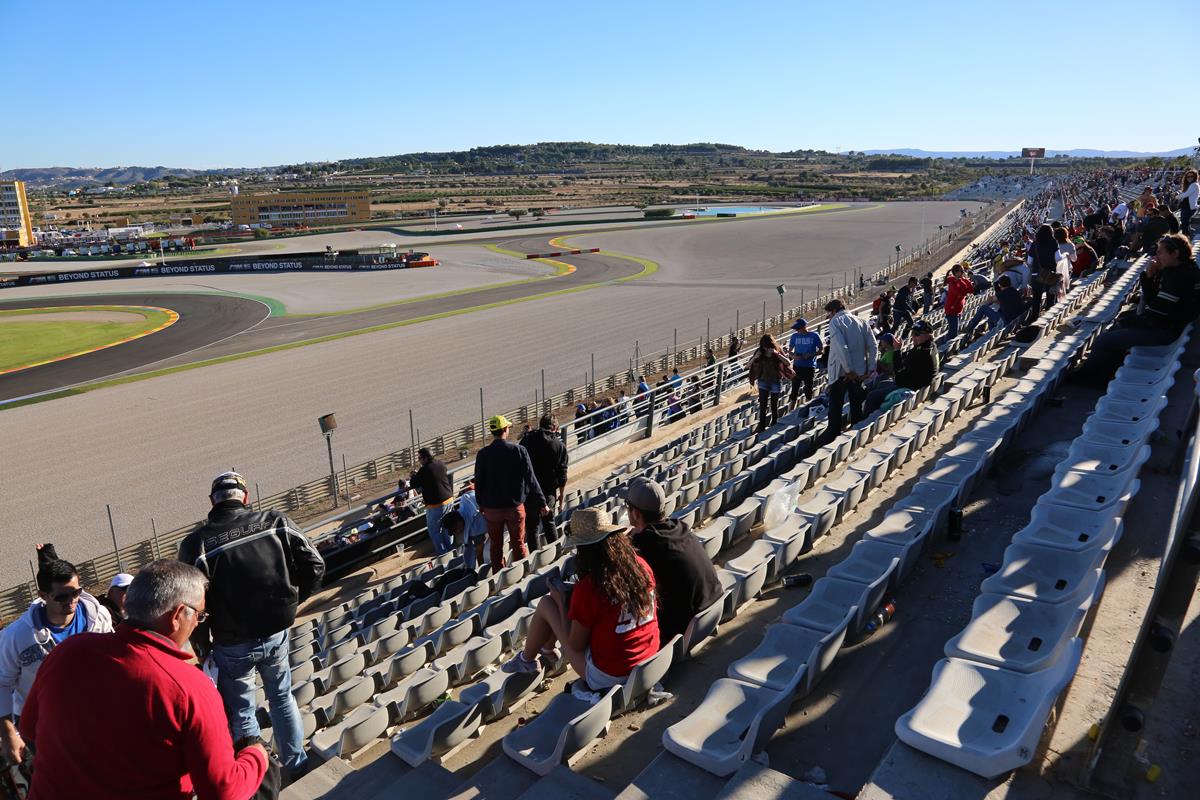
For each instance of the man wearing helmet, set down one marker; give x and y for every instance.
(260, 567)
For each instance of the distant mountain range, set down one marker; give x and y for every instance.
(75, 177)
(1077, 153)
(511, 159)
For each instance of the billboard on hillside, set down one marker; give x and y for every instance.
(1033, 152)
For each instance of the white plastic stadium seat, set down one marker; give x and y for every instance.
(982, 718)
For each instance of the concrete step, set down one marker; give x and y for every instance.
(501, 779)
(563, 784)
(756, 782)
(669, 777)
(338, 780)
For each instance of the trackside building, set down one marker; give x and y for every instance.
(301, 208)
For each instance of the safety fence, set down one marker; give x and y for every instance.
(588, 433)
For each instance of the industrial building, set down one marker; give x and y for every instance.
(16, 227)
(301, 208)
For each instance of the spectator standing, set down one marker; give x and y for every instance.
(958, 289)
(62, 610)
(608, 626)
(684, 575)
(902, 313)
(260, 568)
(735, 346)
(768, 369)
(710, 357)
(550, 460)
(1189, 200)
(805, 348)
(436, 491)
(114, 598)
(927, 291)
(504, 481)
(173, 738)
(852, 354)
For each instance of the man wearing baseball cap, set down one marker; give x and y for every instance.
(686, 579)
(805, 348)
(260, 567)
(114, 599)
(504, 479)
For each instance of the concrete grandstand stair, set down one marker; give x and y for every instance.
(758, 782)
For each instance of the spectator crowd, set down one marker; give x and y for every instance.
(174, 655)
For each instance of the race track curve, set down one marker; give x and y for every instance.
(203, 320)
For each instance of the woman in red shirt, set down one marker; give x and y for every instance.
(608, 627)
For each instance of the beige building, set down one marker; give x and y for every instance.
(301, 208)
(16, 227)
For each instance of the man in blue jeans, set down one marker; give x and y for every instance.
(260, 567)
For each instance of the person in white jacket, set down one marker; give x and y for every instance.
(853, 352)
(62, 610)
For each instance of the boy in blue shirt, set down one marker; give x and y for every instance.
(805, 349)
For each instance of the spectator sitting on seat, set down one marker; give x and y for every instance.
(1170, 300)
(885, 365)
(1086, 258)
(432, 481)
(467, 526)
(1003, 306)
(260, 568)
(684, 575)
(915, 368)
(62, 610)
(114, 598)
(168, 735)
(504, 481)
(609, 627)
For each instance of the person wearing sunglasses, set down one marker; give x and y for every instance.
(170, 737)
(62, 610)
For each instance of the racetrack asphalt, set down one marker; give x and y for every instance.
(151, 447)
(203, 320)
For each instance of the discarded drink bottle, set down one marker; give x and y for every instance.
(797, 581)
(882, 617)
(954, 527)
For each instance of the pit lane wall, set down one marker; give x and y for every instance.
(302, 262)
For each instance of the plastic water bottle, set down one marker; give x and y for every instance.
(797, 581)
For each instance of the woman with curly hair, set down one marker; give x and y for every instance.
(608, 625)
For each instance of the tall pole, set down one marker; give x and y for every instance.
(544, 391)
(154, 533)
(332, 470)
(764, 315)
(412, 430)
(345, 479)
(112, 529)
(482, 420)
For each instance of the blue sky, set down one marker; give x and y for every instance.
(217, 83)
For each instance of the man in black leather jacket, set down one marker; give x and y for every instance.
(260, 567)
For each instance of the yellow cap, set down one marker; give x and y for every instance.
(498, 423)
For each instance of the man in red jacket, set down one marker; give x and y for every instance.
(958, 289)
(166, 731)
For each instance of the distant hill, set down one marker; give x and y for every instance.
(1077, 153)
(527, 159)
(76, 177)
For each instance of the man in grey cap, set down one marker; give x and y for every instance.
(685, 578)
